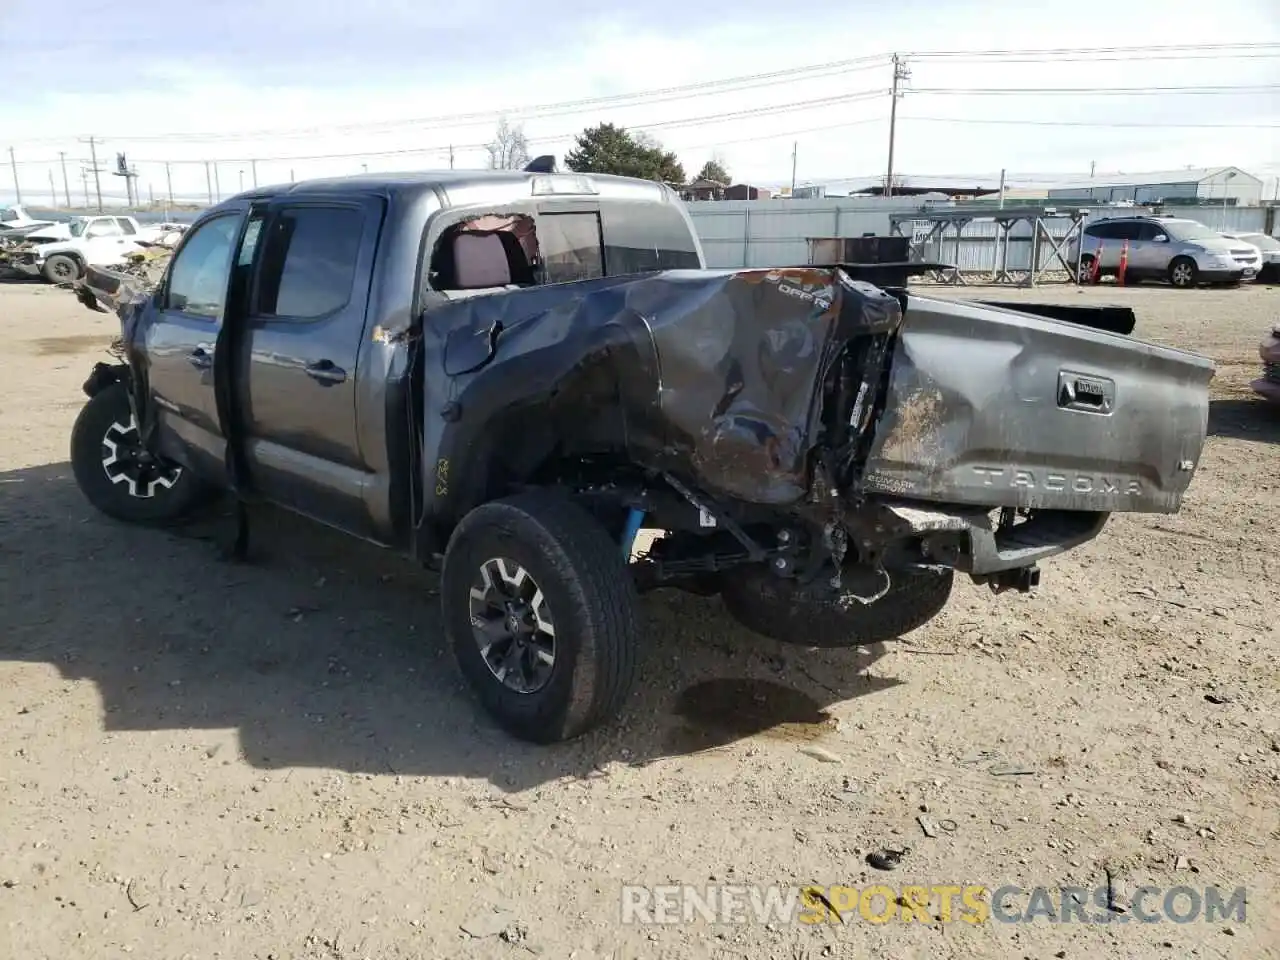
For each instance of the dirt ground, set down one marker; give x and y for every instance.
(278, 760)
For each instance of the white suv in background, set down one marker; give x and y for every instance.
(1183, 252)
(1269, 247)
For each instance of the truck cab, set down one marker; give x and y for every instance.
(328, 278)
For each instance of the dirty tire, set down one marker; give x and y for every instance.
(62, 269)
(99, 423)
(1183, 272)
(591, 600)
(791, 612)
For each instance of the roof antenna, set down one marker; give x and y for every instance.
(543, 164)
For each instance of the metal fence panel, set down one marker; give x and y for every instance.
(765, 233)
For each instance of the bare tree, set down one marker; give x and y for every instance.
(509, 150)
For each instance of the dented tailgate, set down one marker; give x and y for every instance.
(994, 407)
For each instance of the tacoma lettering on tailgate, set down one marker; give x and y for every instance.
(1047, 480)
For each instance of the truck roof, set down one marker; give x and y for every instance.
(509, 182)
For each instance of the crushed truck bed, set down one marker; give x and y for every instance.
(731, 379)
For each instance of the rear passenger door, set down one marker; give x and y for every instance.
(299, 395)
(1150, 257)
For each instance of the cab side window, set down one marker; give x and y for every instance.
(309, 260)
(104, 227)
(647, 237)
(198, 276)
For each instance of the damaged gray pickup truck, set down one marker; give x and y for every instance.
(510, 375)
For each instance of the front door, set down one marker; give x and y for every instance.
(177, 335)
(298, 394)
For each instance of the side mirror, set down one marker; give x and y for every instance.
(1160, 238)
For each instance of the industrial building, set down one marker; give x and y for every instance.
(1198, 185)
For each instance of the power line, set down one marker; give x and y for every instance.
(798, 105)
(730, 84)
(1125, 58)
(1077, 51)
(1096, 91)
(692, 121)
(1096, 123)
(561, 108)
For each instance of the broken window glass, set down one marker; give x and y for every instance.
(571, 246)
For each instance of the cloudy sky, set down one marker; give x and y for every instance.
(320, 87)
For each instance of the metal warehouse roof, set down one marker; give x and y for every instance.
(1188, 175)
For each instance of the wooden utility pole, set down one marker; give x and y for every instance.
(66, 187)
(168, 180)
(97, 173)
(13, 165)
(900, 72)
(208, 181)
(253, 165)
(795, 149)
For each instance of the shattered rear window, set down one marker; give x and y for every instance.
(571, 246)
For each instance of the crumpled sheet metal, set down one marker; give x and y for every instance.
(110, 289)
(719, 375)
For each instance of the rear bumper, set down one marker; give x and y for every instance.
(967, 539)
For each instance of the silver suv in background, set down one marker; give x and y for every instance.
(1269, 247)
(1182, 252)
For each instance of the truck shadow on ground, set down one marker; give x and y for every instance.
(1245, 419)
(326, 652)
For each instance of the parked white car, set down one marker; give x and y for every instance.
(60, 252)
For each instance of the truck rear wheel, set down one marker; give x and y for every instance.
(815, 616)
(118, 476)
(542, 615)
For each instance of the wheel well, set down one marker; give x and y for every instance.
(540, 445)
